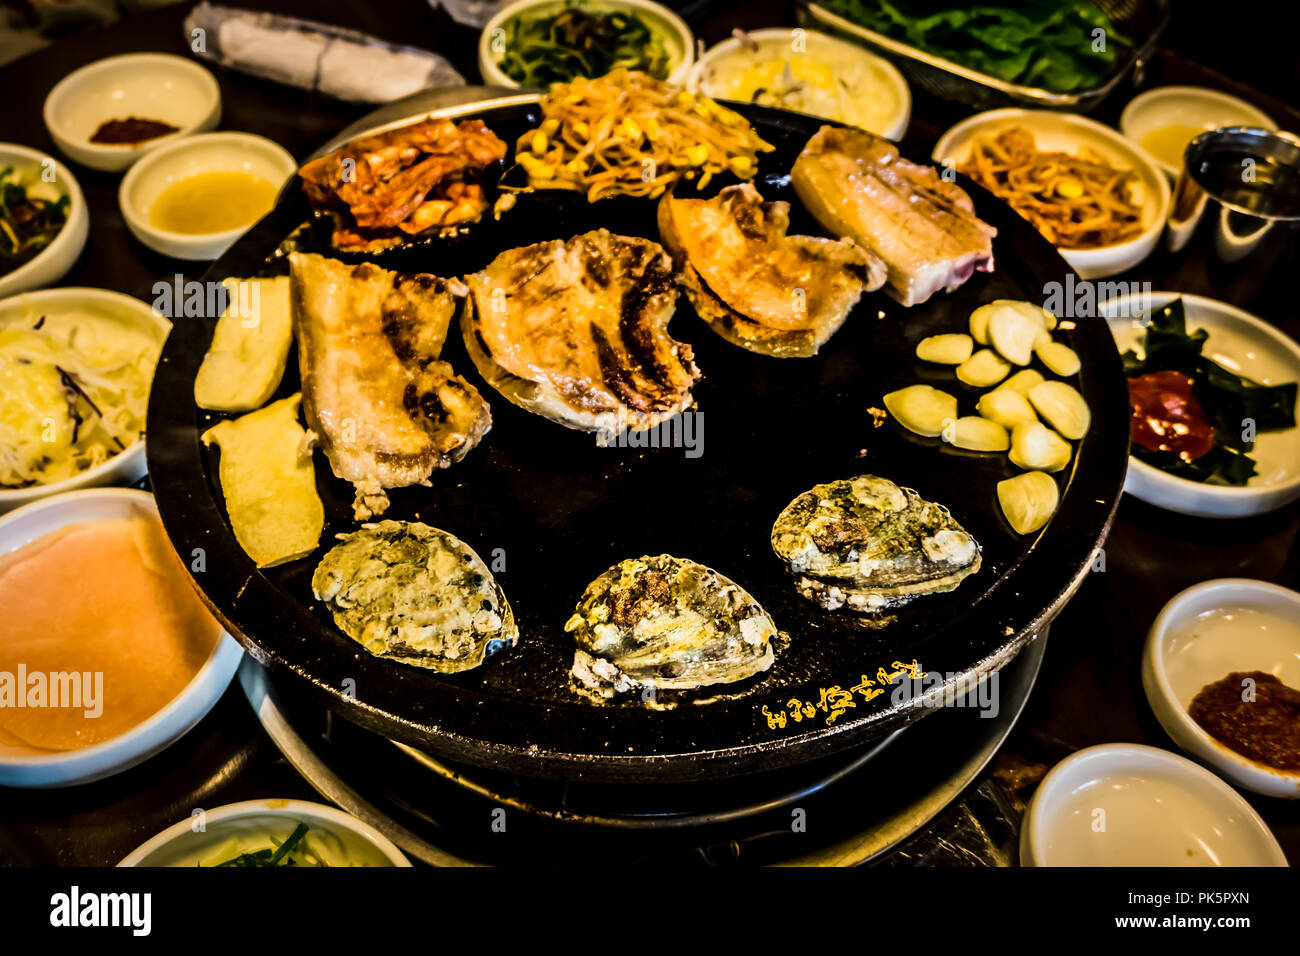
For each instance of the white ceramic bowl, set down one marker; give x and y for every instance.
(777, 42)
(52, 262)
(676, 34)
(197, 835)
(1065, 132)
(122, 468)
(192, 156)
(154, 86)
(1243, 344)
(1181, 658)
(22, 767)
(1193, 106)
(1131, 805)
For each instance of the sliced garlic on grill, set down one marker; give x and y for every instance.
(1061, 359)
(1035, 447)
(983, 369)
(977, 434)
(1023, 381)
(922, 409)
(1005, 407)
(1013, 334)
(1028, 500)
(1063, 407)
(951, 349)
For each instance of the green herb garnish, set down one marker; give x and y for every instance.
(1041, 43)
(278, 854)
(577, 42)
(27, 225)
(1230, 401)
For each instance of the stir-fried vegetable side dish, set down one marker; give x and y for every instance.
(27, 224)
(579, 41)
(1077, 202)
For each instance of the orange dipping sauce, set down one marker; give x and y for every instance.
(100, 629)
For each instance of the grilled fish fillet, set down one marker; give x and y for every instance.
(754, 285)
(576, 331)
(384, 409)
(924, 228)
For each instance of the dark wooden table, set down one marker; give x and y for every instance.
(1090, 688)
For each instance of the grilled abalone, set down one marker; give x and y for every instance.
(576, 331)
(866, 544)
(670, 624)
(411, 593)
(754, 285)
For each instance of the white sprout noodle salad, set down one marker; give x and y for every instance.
(74, 388)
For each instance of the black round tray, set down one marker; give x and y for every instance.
(561, 510)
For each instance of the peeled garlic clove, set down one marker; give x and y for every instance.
(979, 321)
(1005, 407)
(1030, 311)
(1013, 334)
(951, 349)
(1035, 447)
(1028, 500)
(1061, 359)
(983, 369)
(1063, 407)
(977, 434)
(922, 409)
(1023, 381)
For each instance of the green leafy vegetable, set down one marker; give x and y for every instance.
(1229, 400)
(1042, 43)
(577, 42)
(282, 854)
(27, 225)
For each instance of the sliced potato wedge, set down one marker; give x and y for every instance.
(1028, 500)
(1060, 358)
(977, 434)
(951, 349)
(983, 369)
(1006, 407)
(1013, 334)
(1023, 381)
(922, 409)
(1063, 407)
(269, 483)
(245, 361)
(1035, 447)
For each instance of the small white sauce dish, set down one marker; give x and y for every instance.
(1243, 344)
(1067, 133)
(44, 177)
(203, 834)
(193, 156)
(126, 466)
(1132, 805)
(23, 767)
(151, 86)
(1202, 635)
(677, 36)
(722, 64)
(1194, 106)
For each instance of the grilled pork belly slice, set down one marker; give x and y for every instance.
(924, 228)
(576, 331)
(384, 409)
(754, 285)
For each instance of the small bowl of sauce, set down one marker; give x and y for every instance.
(193, 198)
(1221, 670)
(1164, 120)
